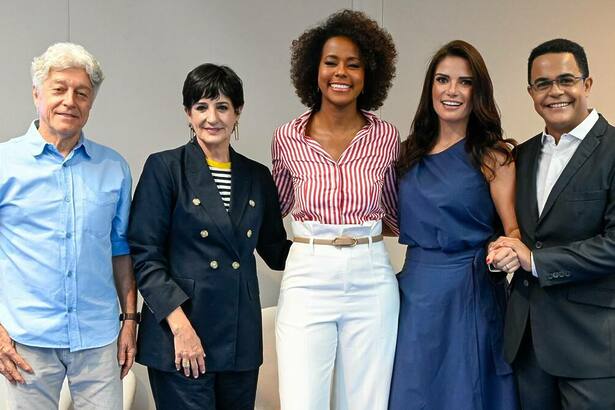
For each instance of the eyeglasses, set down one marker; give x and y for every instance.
(564, 81)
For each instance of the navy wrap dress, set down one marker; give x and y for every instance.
(449, 343)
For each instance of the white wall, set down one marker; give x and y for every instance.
(147, 47)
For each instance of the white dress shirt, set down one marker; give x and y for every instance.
(553, 159)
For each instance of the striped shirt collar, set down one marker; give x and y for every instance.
(300, 123)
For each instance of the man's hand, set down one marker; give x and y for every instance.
(10, 360)
(127, 346)
(500, 254)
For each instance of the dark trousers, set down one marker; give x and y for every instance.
(211, 391)
(539, 390)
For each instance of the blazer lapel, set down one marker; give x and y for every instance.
(241, 186)
(585, 149)
(526, 190)
(205, 190)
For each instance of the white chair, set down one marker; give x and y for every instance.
(129, 386)
(267, 396)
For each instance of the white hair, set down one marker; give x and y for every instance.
(62, 56)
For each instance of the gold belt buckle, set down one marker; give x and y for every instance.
(345, 241)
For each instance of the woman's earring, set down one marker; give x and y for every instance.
(236, 131)
(191, 132)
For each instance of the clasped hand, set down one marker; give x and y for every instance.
(509, 254)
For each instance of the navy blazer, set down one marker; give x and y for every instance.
(571, 306)
(189, 251)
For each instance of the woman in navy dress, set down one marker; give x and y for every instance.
(457, 184)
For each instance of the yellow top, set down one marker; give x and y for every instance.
(216, 164)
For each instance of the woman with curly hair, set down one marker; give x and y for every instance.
(457, 183)
(334, 169)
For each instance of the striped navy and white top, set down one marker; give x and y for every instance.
(221, 171)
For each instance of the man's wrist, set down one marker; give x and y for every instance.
(136, 317)
(533, 265)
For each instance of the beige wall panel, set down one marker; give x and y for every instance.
(26, 28)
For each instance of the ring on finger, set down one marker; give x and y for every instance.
(185, 364)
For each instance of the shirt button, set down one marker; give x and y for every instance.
(252, 203)
(69, 235)
(70, 309)
(204, 233)
(196, 201)
(526, 283)
(213, 264)
(69, 273)
(67, 199)
(235, 265)
(249, 233)
(538, 244)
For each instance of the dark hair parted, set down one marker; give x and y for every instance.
(211, 80)
(559, 45)
(376, 48)
(484, 133)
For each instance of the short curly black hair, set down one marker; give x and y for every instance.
(375, 46)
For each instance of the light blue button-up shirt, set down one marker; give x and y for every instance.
(61, 221)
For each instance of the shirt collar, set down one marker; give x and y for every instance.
(301, 121)
(37, 143)
(581, 130)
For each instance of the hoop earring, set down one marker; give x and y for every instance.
(236, 131)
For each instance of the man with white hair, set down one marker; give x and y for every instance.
(64, 258)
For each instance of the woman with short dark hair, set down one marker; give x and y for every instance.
(334, 168)
(198, 213)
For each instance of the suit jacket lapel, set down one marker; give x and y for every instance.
(241, 186)
(585, 149)
(526, 190)
(204, 187)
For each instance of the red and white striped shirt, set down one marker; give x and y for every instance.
(361, 186)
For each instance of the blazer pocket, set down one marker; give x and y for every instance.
(602, 297)
(587, 195)
(186, 284)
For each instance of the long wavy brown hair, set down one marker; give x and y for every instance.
(484, 135)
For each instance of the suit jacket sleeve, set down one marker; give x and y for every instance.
(589, 259)
(150, 221)
(272, 246)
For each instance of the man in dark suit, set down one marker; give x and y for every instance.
(560, 323)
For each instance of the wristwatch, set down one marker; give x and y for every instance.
(131, 316)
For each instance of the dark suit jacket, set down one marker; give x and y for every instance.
(189, 251)
(571, 306)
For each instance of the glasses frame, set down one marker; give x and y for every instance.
(576, 79)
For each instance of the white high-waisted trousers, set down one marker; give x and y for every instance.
(336, 324)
